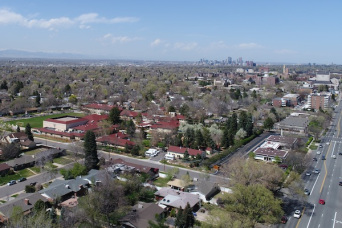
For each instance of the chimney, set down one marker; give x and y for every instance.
(26, 201)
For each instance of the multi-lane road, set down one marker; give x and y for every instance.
(324, 185)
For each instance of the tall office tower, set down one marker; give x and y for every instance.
(230, 60)
(240, 60)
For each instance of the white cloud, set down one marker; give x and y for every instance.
(156, 42)
(285, 51)
(249, 45)
(119, 39)
(185, 46)
(83, 21)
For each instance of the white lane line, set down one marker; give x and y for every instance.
(333, 150)
(334, 220)
(319, 225)
(311, 216)
(315, 183)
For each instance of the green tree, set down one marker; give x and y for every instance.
(38, 100)
(39, 206)
(188, 216)
(18, 129)
(179, 222)
(130, 128)
(53, 215)
(28, 132)
(114, 115)
(184, 110)
(171, 109)
(256, 202)
(90, 151)
(73, 99)
(268, 123)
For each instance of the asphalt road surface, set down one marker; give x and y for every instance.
(324, 185)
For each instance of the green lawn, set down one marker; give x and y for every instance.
(7, 178)
(313, 147)
(15, 195)
(161, 182)
(35, 151)
(35, 169)
(62, 160)
(37, 122)
(25, 173)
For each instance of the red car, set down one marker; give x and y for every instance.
(321, 201)
(284, 219)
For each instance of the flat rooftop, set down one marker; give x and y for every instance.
(67, 118)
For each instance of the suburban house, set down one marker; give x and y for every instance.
(141, 214)
(4, 169)
(128, 115)
(26, 204)
(118, 139)
(121, 166)
(98, 108)
(165, 126)
(65, 189)
(177, 184)
(21, 138)
(283, 141)
(206, 190)
(169, 198)
(178, 152)
(22, 162)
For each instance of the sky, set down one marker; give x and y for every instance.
(262, 31)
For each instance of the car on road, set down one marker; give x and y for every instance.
(318, 152)
(340, 153)
(323, 157)
(316, 171)
(334, 156)
(33, 183)
(340, 183)
(22, 179)
(320, 146)
(314, 159)
(297, 214)
(321, 201)
(308, 174)
(284, 219)
(306, 192)
(12, 182)
(327, 143)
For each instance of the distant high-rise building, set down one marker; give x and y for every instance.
(230, 60)
(240, 61)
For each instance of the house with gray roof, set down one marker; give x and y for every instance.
(22, 162)
(206, 190)
(65, 189)
(170, 198)
(293, 125)
(25, 203)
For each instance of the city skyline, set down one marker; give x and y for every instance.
(267, 31)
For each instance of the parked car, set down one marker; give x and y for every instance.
(22, 179)
(12, 182)
(297, 214)
(33, 183)
(306, 192)
(308, 174)
(321, 201)
(340, 183)
(314, 159)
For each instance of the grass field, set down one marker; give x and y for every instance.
(25, 173)
(37, 122)
(35, 151)
(161, 182)
(7, 178)
(62, 160)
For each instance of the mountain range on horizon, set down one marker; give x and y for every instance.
(12, 53)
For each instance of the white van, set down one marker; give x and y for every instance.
(151, 152)
(169, 157)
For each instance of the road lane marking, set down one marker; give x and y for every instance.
(315, 182)
(300, 217)
(334, 219)
(326, 172)
(311, 216)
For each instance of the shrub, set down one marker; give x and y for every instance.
(30, 189)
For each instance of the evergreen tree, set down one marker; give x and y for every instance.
(130, 128)
(242, 120)
(38, 100)
(53, 215)
(268, 123)
(90, 151)
(28, 132)
(225, 140)
(114, 115)
(198, 139)
(18, 129)
(188, 216)
(179, 218)
(233, 123)
(249, 125)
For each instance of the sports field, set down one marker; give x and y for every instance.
(37, 122)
